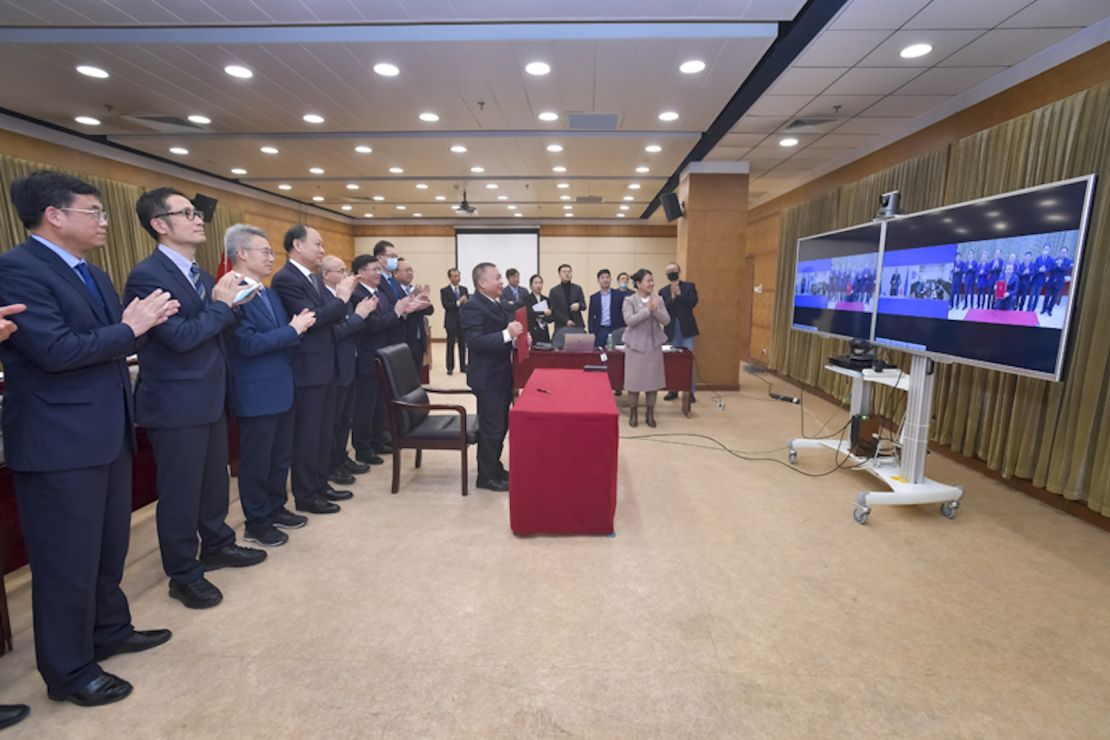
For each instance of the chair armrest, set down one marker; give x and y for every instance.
(439, 407)
(429, 389)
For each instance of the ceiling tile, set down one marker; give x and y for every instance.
(849, 105)
(1067, 13)
(842, 141)
(867, 125)
(948, 80)
(872, 81)
(839, 48)
(963, 14)
(876, 14)
(779, 105)
(759, 124)
(726, 154)
(943, 42)
(805, 80)
(905, 105)
(1007, 46)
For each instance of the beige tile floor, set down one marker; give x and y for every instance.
(738, 600)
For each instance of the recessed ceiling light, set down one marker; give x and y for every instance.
(539, 69)
(653, 148)
(385, 69)
(559, 169)
(628, 197)
(554, 148)
(511, 207)
(569, 215)
(477, 170)
(568, 208)
(269, 150)
(316, 170)
(352, 186)
(620, 215)
(491, 186)
(668, 116)
(643, 170)
(634, 186)
(1001, 225)
(363, 149)
(368, 215)
(401, 208)
(179, 150)
(625, 208)
(396, 170)
(691, 67)
(518, 214)
(87, 120)
(913, 51)
(459, 149)
(549, 116)
(418, 215)
(441, 197)
(563, 185)
(788, 141)
(429, 117)
(378, 197)
(285, 186)
(313, 118)
(90, 71)
(345, 207)
(318, 198)
(239, 71)
(200, 120)
(421, 186)
(564, 197)
(238, 171)
(502, 197)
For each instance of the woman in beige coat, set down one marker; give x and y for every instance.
(645, 316)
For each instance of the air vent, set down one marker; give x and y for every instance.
(588, 199)
(164, 124)
(809, 125)
(594, 121)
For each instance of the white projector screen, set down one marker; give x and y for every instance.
(519, 249)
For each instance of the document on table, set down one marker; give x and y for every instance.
(540, 307)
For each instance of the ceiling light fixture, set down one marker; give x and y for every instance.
(318, 198)
(429, 117)
(200, 120)
(477, 170)
(313, 118)
(238, 171)
(668, 115)
(239, 71)
(385, 69)
(345, 207)
(569, 215)
(401, 208)
(620, 215)
(643, 170)
(491, 186)
(559, 168)
(518, 214)
(368, 215)
(352, 186)
(179, 150)
(563, 185)
(441, 197)
(421, 186)
(502, 197)
(363, 149)
(90, 71)
(625, 208)
(691, 67)
(554, 148)
(269, 150)
(653, 148)
(568, 208)
(378, 197)
(634, 186)
(285, 186)
(913, 51)
(788, 141)
(418, 215)
(537, 69)
(628, 197)
(459, 149)
(511, 207)
(397, 170)
(316, 170)
(549, 116)
(87, 120)
(564, 197)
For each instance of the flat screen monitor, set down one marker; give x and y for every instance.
(835, 281)
(989, 282)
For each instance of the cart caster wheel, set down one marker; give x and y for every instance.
(949, 508)
(792, 457)
(860, 514)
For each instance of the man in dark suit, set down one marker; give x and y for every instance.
(513, 295)
(623, 284)
(489, 334)
(301, 287)
(566, 301)
(452, 297)
(181, 398)
(68, 434)
(343, 469)
(680, 297)
(605, 314)
(416, 324)
(386, 254)
(261, 361)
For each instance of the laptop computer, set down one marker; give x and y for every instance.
(578, 342)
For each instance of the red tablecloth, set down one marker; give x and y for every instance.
(563, 436)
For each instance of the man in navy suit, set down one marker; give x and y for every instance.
(416, 324)
(680, 297)
(68, 433)
(489, 333)
(260, 353)
(314, 367)
(452, 297)
(605, 315)
(181, 399)
(513, 295)
(343, 469)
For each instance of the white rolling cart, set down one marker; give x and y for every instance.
(905, 476)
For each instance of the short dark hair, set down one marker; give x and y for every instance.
(295, 234)
(362, 261)
(33, 194)
(453, 269)
(564, 265)
(641, 274)
(1029, 253)
(478, 270)
(152, 203)
(603, 271)
(537, 275)
(512, 272)
(381, 246)
(621, 273)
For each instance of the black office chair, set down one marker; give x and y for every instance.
(410, 422)
(617, 335)
(560, 339)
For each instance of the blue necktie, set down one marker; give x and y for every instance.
(266, 303)
(90, 285)
(194, 275)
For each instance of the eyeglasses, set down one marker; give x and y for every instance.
(265, 250)
(190, 214)
(99, 214)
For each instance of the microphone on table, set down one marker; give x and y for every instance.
(780, 397)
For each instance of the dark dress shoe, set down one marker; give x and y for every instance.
(342, 476)
(104, 689)
(267, 536)
(670, 396)
(232, 556)
(11, 714)
(285, 519)
(493, 485)
(355, 468)
(450, 372)
(371, 460)
(139, 641)
(317, 505)
(200, 594)
(333, 495)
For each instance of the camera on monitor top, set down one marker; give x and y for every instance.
(889, 205)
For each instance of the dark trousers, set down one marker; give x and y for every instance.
(265, 455)
(344, 421)
(76, 526)
(366, 408)
(313, 432)
(601, 336)
(493, 424)
(192, 495)
(455, 336)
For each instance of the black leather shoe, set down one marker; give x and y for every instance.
(267, 536)
(670, 396)
(139, 641)
(355, 468)
(372, 460)
(104, 689)
(11, 714)
(232, 556)
(333, 495)
(285, 519)
(341, 475)
(200, 594)
(493, 485)
(317, 505)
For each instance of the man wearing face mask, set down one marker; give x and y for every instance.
(386, 254)
(680, 297)
(623, 285)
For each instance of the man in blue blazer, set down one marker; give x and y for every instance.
(605, 314)
(260, 353)
(181, 399)
(489, 332)
(68, 433)
(680, 297)
(300, 287)
(452, 297)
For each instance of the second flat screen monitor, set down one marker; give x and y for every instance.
(836, 281)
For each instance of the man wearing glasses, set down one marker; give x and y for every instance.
(68, 433)
(180, 399)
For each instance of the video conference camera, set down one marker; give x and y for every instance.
(889, 205)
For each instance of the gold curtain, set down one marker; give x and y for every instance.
(1055, 434)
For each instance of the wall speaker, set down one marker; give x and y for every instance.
(671, 207)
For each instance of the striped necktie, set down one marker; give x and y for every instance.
(198, 285)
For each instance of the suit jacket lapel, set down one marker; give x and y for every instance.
(176, 276)
(69, 275)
